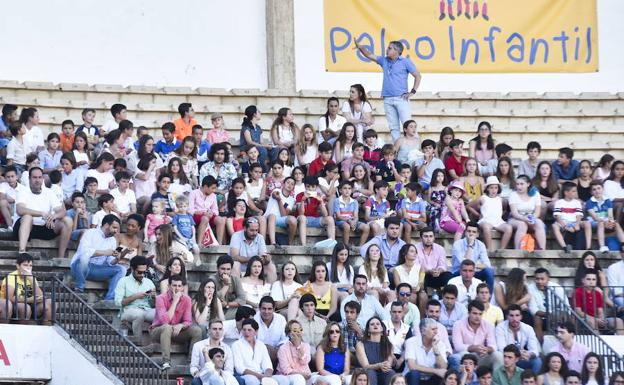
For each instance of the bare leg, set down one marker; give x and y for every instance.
(346, 232)
(5, 210)
(64, 228)
(506, 231)
(220, 228)
(303, 227)
(486, 230)
(270, 272)
(521, 230)
(24, 231)
(407, 232)
(293, 309)
(291, 222)
(588, 234)
(365, 229)
(271, 229)
(540, 234)
(558, 236)
(263, 225)
(331, 228)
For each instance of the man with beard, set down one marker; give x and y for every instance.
(514, 331)
(96, 257)
(432, 259)
(134, 296)
(248, 243)
(389, 243)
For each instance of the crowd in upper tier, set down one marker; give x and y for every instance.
(189, 189)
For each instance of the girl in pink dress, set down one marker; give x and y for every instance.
(454, 215)
(155, 219)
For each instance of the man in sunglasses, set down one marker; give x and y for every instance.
(473, 249)
(134, 295)
(248, 243)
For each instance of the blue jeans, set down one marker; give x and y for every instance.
(84, 270)
(398, 110)
(535, 364)
(413, 378)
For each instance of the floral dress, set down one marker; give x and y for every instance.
(435, 209)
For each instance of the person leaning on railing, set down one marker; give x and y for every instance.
(23, 292)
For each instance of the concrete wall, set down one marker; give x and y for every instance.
(144, 42)
(210, 43)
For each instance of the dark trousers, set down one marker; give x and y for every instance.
(413, 378)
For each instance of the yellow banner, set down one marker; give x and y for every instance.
(465, 35)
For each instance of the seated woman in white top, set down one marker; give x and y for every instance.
(285, 292)
(525, 206)
(284, 132)
(330, 123)
(306, 149)
(408, 271)
(253, 282)
(358, 111)
(373, 268)
(340, 271)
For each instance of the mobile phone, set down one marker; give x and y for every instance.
(119, 249)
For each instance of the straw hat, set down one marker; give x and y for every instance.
(492, 179)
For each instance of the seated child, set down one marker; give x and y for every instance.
(600, 215)
(156, 218)
(346, 214)
(107, 206)
(79, 215)
(413, 211)
(388, 167)
(377, 208)
(568, 213)
(312, 210)
(91, 195)
(8, 194)
(184, 227)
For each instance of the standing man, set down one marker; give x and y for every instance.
(96, 257)
(134, 296)
(394, 89)
(173, 320)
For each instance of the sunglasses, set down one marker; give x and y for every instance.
(334, 331)
(404, 294)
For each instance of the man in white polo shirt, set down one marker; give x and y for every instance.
(40, 214)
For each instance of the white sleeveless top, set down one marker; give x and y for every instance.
(492, 211)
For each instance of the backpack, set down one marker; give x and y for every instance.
(527, 243)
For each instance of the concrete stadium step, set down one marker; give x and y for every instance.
(552, 113)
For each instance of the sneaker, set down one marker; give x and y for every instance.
(604, 249)
(165, 366)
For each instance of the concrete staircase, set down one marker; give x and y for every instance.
(586, 122)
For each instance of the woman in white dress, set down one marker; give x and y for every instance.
(253, 282)
(358, 111)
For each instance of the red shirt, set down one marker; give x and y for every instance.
(316, 166)
(450, 163)
(588, 301)
(311, 205)
(182, 312)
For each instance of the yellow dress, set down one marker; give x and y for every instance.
(473, 192)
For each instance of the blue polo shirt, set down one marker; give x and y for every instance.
(569, 173)
(163, 148)
(395, 75)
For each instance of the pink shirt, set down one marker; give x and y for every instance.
(155, 221)
(182, 312)
(217, 136)
(435, 260)
(198, 201)
(574, 357)
(290, 361)
(464, 335)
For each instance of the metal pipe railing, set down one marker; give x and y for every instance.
(560, 312)
(45, 298)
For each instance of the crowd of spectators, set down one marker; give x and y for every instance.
(141, 208)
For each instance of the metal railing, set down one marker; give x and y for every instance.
(599, 298)
(559, 312)
(98, 336)
(48, 299)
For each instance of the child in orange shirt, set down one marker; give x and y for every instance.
(67, 136)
